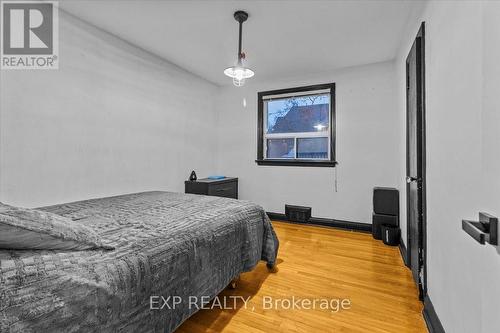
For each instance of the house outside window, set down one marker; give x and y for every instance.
(296, 126)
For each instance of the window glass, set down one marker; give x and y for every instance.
(298, 114)
(281, 148)
(311, 148)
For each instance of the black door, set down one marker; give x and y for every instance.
(415, 160)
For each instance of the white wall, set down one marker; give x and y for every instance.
(463, 139)
(113, 119)
(367, 145)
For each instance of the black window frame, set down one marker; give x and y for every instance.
(296, 162)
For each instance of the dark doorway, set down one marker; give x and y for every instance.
(415, 161)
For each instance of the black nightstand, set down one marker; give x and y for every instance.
(226, 187)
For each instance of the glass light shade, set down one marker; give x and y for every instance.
(238, 82)
(239, 74)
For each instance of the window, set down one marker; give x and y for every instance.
(296, 126)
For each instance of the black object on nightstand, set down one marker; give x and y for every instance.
(225, 187)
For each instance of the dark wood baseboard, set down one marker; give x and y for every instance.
(404, 254)
(347, 225)
(431, 318)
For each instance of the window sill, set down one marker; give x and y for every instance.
(302, 163)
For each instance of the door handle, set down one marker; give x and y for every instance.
(485, 230)
(410, 179)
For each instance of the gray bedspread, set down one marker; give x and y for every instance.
(167, 244)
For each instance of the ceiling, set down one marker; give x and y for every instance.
(280, 38)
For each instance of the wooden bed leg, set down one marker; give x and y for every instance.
(234, 282)
(272, 268)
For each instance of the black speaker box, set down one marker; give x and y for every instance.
(378, 220)
(298, 213)
(386, 201)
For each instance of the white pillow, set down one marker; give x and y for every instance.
(31, 229)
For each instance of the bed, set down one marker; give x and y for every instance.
(166, 244)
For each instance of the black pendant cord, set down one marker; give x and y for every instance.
(240, 16)
(239, 43)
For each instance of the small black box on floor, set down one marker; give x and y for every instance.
(380, 219)
(386, 201)
(298, 213)
(390, 234)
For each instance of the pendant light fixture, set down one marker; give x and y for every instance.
(239, 73)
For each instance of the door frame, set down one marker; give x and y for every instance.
(421, 167)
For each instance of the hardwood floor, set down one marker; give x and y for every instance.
(322, 263)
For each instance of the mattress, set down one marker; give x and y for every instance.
(166, 244)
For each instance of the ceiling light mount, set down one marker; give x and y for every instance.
(240, 16)
(239, 73)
